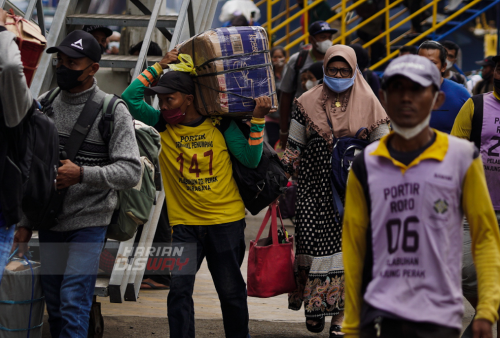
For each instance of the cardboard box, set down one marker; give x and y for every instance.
(31, 43)
(17, 300)
(234, 67)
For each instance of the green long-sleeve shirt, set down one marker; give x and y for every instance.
(247, 151)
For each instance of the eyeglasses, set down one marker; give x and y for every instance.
(345, 72)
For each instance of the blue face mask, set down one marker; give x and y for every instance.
(339, 85)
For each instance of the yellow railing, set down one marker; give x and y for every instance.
(289, 41)
(434, 27)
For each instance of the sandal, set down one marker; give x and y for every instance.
(317, 328)
(336, 328)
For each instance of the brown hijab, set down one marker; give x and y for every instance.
(363, 108)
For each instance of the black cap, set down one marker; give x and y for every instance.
(172, 82)
(78, 44)
(321, 27)
(487, 62)
(104, 29)
(496, 59)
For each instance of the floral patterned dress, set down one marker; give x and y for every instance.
(319, 267)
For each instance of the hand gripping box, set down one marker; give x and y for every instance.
(31, 43)
(233, 68)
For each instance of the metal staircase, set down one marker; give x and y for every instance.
(283, 16)
(195, 16)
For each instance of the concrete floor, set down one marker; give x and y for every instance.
(270, 317)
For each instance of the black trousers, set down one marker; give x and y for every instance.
(391, 328)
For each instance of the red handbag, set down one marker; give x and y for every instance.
(270, 263)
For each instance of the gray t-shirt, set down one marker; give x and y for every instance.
(287, 83)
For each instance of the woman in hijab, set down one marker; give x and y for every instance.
(346, 99)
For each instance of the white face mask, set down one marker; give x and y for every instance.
(279, 63)
(409, 133)
(449, 64)
(310, 84)
(323, 46)
(114, 44)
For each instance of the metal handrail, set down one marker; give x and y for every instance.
(333, 18)
(370, 19)
(345, 32)
(430, 30)
(306, 8)
(399, 24)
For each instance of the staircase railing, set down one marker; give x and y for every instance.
(347, 21)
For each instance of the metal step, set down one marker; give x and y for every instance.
(125, 61)
(164, 21)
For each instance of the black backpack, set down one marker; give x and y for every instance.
(258, 187)
(39, 164)
(33, 156)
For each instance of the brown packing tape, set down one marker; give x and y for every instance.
(16, 266)
(31, 43)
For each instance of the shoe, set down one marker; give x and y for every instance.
(318, 327)
(336, 328)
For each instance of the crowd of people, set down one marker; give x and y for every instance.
(388, 255)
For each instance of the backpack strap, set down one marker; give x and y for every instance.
(223, 123)
(337, 202)
(106, 126)
(48, 100)
(360, 131)
(82, 127)
(477, 120)
(301, 60)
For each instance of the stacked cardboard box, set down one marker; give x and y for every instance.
(31, 43)
(234, 67)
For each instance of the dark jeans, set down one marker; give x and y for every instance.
(69, 263)
(224, 247)
(391, 328)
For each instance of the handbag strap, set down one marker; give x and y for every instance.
(274, 224)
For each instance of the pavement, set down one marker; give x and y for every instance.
(270, 317)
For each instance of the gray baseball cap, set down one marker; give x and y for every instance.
(416, 68)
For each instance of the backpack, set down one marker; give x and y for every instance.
(342, 156)
(134, 205)
(40, 163)
(31, 160)
(261, 186)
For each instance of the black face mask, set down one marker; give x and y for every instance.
(67, 79)
(103, 49)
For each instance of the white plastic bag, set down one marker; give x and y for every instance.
(234, 8)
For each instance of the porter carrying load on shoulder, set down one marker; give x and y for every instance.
(201, 193)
